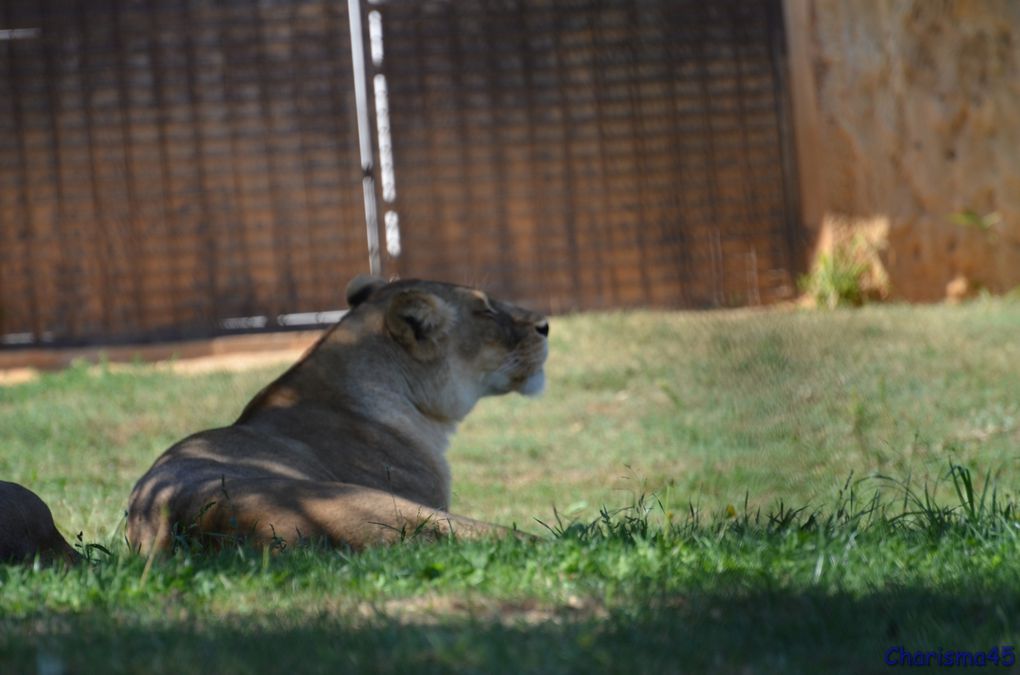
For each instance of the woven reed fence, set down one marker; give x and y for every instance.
(186, 168)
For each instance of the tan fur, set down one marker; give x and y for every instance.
(27, 530)
(349, 444)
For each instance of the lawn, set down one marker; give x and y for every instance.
(744, 491)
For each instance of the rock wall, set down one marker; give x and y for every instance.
(918, 124)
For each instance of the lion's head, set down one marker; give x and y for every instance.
(462, 343)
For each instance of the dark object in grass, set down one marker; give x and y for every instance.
(348, 446)
(27, 530)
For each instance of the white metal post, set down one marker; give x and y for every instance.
(364, 136)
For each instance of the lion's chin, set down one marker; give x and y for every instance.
(534, 385)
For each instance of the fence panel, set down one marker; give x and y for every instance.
(173, 168)
(590, 153)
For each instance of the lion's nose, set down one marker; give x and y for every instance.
(542, 328)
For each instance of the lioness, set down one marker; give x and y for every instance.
(27, 529)
(349, 444)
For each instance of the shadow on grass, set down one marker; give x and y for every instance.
(764, 631)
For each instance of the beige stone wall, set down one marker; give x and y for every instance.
(916, 107)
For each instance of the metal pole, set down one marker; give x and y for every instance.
(364, 136)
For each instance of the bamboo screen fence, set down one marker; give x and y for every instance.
(185, 168)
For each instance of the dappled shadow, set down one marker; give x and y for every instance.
(276, 509)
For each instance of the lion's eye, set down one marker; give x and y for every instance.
(486, 313)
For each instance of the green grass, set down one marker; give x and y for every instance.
(750, 552)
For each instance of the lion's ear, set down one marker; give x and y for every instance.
(361, 287)
(419, 321)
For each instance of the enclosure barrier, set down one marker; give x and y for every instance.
(185, 168)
